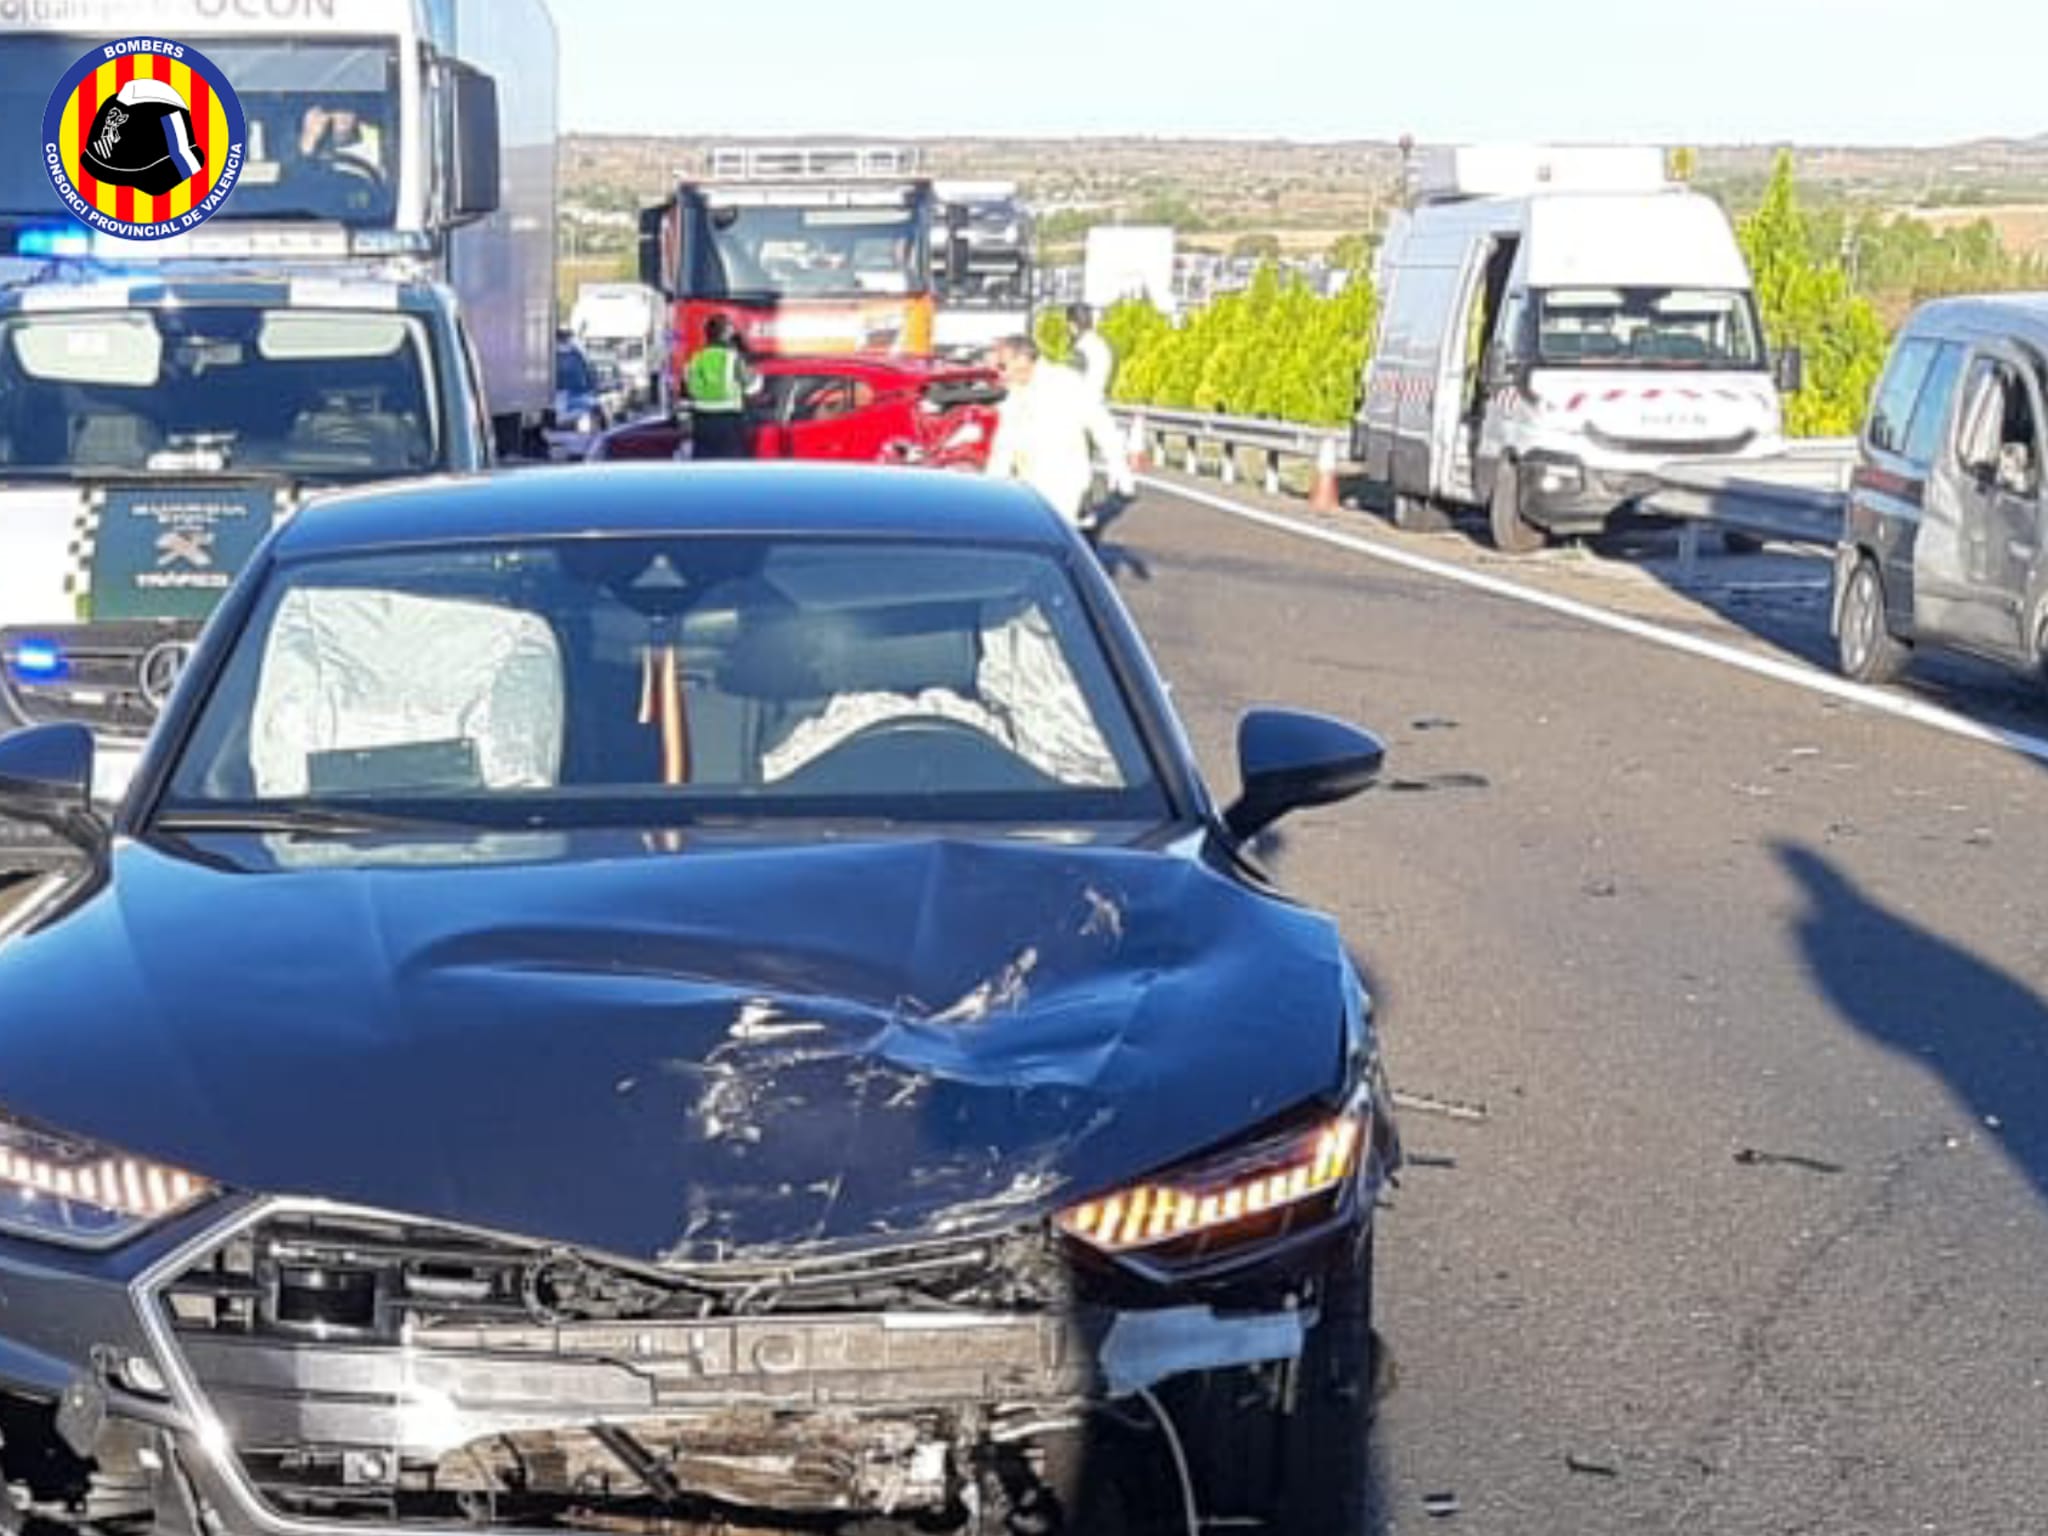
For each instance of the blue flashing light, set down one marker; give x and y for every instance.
(38, 661)
(54, 240)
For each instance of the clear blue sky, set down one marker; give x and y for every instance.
(1844, 71)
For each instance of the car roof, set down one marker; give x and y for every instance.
(629, 499)
(2017, 314)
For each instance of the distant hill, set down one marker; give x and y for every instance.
(1226, 187)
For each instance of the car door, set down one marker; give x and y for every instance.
(1994, 485)
(1455, 411)
(829, 419)
(768, 413)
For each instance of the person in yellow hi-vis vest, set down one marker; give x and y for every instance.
(719, 382)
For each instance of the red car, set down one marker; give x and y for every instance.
(870, 410)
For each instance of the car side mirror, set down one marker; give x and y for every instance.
(1289, 761)
(1790, 371)
(475, 192)
(46, 780)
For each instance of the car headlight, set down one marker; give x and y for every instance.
(1244, 1196)
(586, 423)
(62, 1189)
(967, 435)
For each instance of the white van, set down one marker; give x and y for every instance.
(1554, 326)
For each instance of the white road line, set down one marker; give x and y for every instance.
(1798, 674)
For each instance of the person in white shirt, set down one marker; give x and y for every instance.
(1048, 419)
(1097, 362)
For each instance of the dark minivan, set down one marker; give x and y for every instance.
(1942, 538)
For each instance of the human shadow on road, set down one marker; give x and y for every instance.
(1120, 560)
(1982, 1031)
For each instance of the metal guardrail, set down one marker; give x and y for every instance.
(1794, 497)
(1195, 431)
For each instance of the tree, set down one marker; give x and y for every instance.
(1349, 253)
(1807, 302)
(1256, 247)
(1054, 336)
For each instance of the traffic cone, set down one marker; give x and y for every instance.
(1137, 446)
(1322, 496)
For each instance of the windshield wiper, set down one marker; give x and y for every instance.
(318, 821)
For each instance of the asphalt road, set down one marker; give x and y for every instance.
(1751, 1235)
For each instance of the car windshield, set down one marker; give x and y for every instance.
(634, 681)
(323, 129)
(1697, 328)
(315, 394)
(815, 251)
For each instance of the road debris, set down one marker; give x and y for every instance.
(1440, 781)
(1751, 1157)
(1589, 1466)
(1602, 887)
(1428, 1104)
(1435, 723)
(1440, 1506)
(1428, 1160)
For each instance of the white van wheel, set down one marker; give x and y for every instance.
(1513, 534)
(1418, 514)
(1867, 650)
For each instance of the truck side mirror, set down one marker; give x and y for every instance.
(956, 247)
(651, 221)
(475, 192)
(1791, 371)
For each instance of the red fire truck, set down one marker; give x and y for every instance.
(807, 249)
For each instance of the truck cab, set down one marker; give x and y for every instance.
(805, 249)
(984, 270)
(153, 429)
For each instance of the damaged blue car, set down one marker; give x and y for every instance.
(649, 999)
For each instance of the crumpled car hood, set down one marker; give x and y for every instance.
(687, 1058)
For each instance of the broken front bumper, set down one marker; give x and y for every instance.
(298, 1369)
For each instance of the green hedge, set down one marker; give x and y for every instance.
(1276, 349)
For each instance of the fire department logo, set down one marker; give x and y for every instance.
(143, 138)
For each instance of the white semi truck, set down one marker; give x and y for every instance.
(412, 140)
